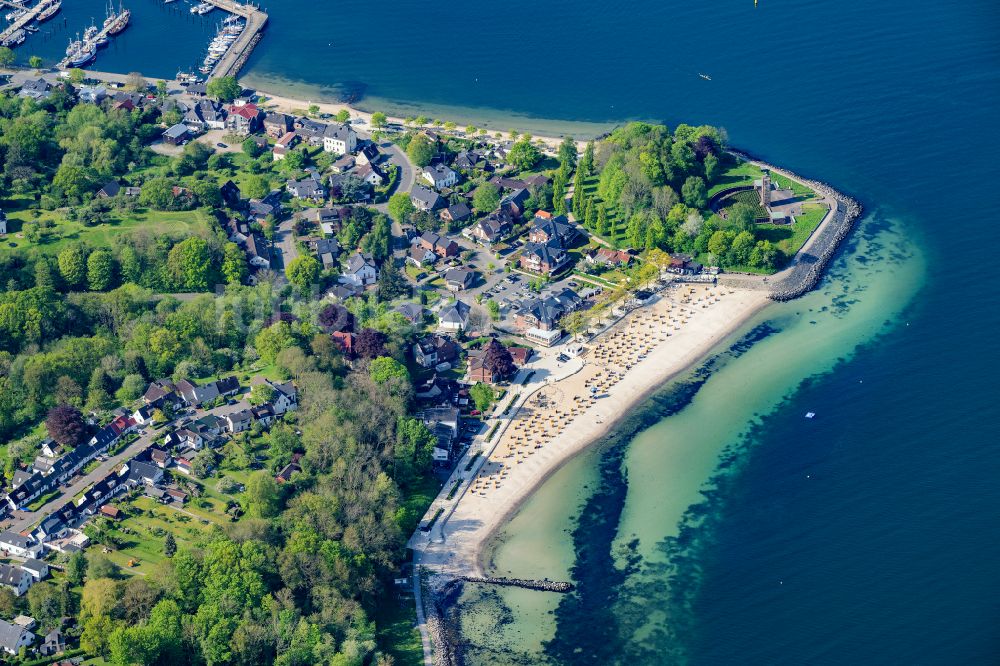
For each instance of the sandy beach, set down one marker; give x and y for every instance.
(559, 418)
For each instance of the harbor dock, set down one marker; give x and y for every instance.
(234, 59)
(22, 21)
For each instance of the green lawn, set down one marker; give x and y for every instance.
(170, 223)
(790, 238)
(396, 632)
(742, 173)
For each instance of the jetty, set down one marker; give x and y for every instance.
(234, 59)
(22, 21)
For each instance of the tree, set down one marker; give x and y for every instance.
(742, 216)
(694, 193)
(76, 568)
(7, 57)
(313, 110)
(100, 269)
(378, 241)
(401, 207)
(336, 317)
(524, 155)
(763, 255)
(261, 498)
(567, 152)
(249, 147)
(273, 339)
(482, 396)
(234, 264)
(261, 394)
(343, 116)
(65, 425)
(46, 603)
(385, 368)
(718, 243)
(497, 361)
(190, 264)
(369, 343)
(391, 282)
(601, 227)
(712, 168)
(303, 271)
(494, 309)
(99, 566)
(378, 120)
(224, 88)
(169, 545)
(486, 197)
(135, 81)
(590, 216)
(35, 62)
(255, 186)
(421, 150)
(73, 265)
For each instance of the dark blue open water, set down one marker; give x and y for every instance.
(871, 535)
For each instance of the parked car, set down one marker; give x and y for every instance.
(221, 145)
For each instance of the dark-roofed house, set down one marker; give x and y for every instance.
(54, 643)
(456, 213)
(19, 545)
(285, 475)
(307, 188)
(492, 229)
(277, 124)
(439, 176)
(368, 154)
(420, 256)
(552, 230)
(144, 473)
(480, 370)
(15, 579)
(459, 279)
(515, 202)
(14, 637)
(39, 570)
(36, 89)
(176, 135)
(434, 350)
(425, 199)
(440, 245)
(231, 194)
(412, 312)
(544, 258)
(109, 189)
(339, 139)
(327, 250)
(238, 421)
(360, 270)
(454, 316)
(205, 115)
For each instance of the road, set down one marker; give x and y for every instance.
(284, 245)
(25, 519)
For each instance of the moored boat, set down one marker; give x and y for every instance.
(51, 10)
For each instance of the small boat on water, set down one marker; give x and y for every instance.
(118, 22)
(705, 76)
(15, 38)
(51, 10)
(202, 8)
(83, 54)
(16, 14)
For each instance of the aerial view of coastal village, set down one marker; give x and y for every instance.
(304, 375)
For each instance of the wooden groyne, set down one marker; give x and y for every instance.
(237, 55)
(808, 267)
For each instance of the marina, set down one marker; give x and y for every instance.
(21, 16)
(238, 49)
(81, 52)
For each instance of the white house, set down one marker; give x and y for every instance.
(36, 568)
(360, 270)
(440, 176)
(340, 139)
(18, 545)
(13, 637)
(454, 316)
(15, 579)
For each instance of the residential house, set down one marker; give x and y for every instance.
(424, 199)
(492, 229)
(205, 115)
(143, 416)
(345, 342)
(19, 545)
(243, 119)
(307, 188)
(607, 257)
(13, 637)
(143, 473)
(368, 154)
(286, 397)
(683, 264)
(236, 422)
(343, 164)
(339, 139)
(15, 579)
(269, 206)
(328, 219)
(456, 213)
(360, 270)
(112, 512)
(469, 160)
(412, 312)
(258, 251)
(277, 124)
(53, 644)
(439, 176)
(454, 316)
(176, 135)
(433, 350)
(442, 246)
(264, 415)
(161, 391)
(478, 369)
(310, 130)
(420, 256)
(284, 144)
(546, 230)
(459, 279)
(231, 194)
(39, 570)
(371, 174)
(36, 89)
(544, 258)
(92, 94)
(327, 250)
(109, 190)
(183, 466)
(515, 203)
(160, 458)
(185, 437)
(285, 475)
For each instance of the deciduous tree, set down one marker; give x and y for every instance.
(65, 425)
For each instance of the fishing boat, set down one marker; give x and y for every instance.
(119, 21)
(81, 56)
(16, 14)
(15, 38)
(51, 10)
(202, 8)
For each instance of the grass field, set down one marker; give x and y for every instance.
(743, 173)
(790, 238)
(64, 231)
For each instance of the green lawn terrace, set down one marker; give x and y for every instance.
(31, 229)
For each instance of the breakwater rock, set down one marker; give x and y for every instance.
(527, 584)
(807, 268)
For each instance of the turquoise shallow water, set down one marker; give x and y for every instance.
(867, 535)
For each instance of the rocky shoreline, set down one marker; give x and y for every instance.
(808, 268)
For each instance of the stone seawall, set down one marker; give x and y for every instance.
(807, 269)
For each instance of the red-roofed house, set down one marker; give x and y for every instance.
(243, 119)
(345, 341)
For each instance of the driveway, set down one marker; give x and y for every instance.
(284, 246)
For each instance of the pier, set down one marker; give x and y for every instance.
(234, 59)
(22, 21)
